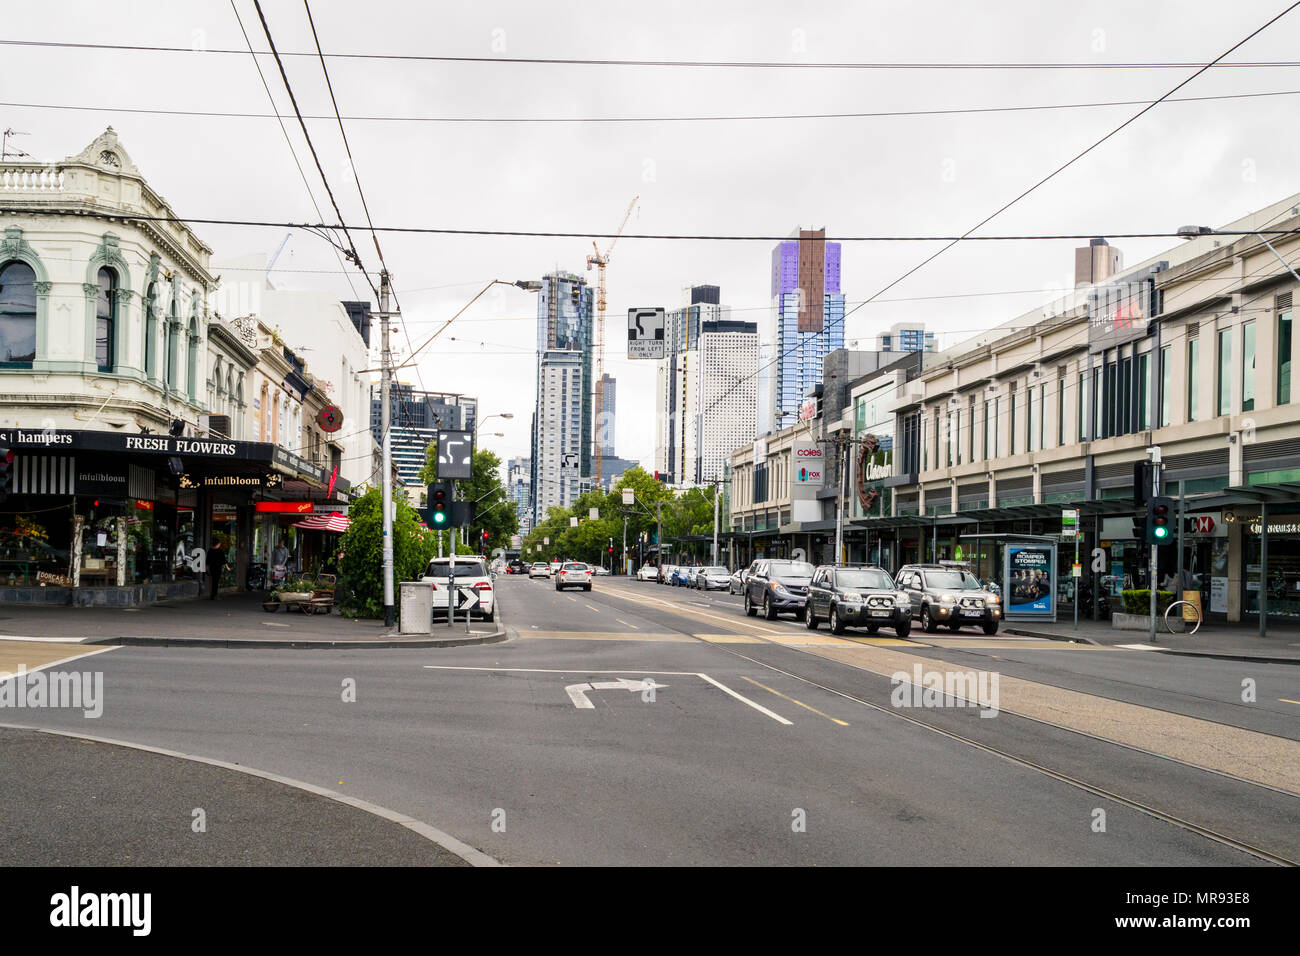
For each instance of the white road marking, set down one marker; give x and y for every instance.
(1140, 647)
(745, 700)
(44, 640)
(578, 692)
(273, 624)
(551, 670)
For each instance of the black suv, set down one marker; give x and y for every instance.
(777, 585)
(948, 595)
(858, 596)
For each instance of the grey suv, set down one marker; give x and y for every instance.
(777, 585)
(951, 596)
(861, 596)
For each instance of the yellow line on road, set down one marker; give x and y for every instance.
(626, 624)
(590, 608)
(1287, 700)
(793, 701)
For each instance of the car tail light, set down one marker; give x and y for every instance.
(482, 586)
(433, 587)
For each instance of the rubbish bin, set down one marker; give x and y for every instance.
(416, 608)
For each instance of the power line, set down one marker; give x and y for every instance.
(721, 118)
(352, 249)
(1007, 205)
(687, 64)
(288, 142)
(685, 237)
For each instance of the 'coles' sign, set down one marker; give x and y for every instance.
(330, 418)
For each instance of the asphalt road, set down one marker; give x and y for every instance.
(751, 749)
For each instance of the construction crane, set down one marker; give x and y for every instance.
(601, 260)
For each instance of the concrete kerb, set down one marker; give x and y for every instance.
(386, 641)
(1212, 655)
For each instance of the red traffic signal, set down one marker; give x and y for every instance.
(611, 550)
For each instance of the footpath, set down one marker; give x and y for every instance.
(1222, 641)
(232, 620)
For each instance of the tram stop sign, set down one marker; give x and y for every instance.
(1070, 523)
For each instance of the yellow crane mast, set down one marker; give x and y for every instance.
(601, 260)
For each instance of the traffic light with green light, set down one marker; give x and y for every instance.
(1160, 520)
(439, 501)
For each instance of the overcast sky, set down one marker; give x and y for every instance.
(1200, 162)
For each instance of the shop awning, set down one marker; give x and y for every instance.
(325, 522)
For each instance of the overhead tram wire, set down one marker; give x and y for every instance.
(677, 237)
(721, 118)
(676, 64)
(1007, 205)
(352, 249)
(374, 236)
(288, 141)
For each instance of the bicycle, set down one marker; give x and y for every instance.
(1182, 617)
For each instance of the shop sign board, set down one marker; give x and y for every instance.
(808, 463)
(1029, 572)
(1219, 595)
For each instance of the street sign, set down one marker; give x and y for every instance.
(645, 333)
(455, 454)
(1076, 570)
(466, 599)
(593, 514)
(628, 496)
(809, 461)
(1200, 524)
(1069, 522)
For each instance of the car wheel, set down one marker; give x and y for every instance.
(491, 615)
(904, 629)
(769, 612)
(955, 626)
(587, 588)
(809, 618)
(928, 624)
(558, 588)
(991, 628)
(749, 606)
(837, 626)
(873, 628)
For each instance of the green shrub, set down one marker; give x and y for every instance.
(361, 570)
(1139, 601)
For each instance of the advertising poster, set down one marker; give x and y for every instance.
(1030, 579)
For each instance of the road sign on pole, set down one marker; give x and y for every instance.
(455, 454)
(466, 599)
(645, 333)
(1069, 522)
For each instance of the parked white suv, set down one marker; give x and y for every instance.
(470, 573)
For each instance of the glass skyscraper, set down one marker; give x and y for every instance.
(562, 417)
(809, 312)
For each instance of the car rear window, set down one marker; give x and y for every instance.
(464, 569)
(575, 567)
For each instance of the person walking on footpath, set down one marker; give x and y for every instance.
(216, 564)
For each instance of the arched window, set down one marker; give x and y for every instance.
(151, 331)
(192, 360)
(231, 410)
(106, 320)
(237, 422)
(17, 315)
(275, 420)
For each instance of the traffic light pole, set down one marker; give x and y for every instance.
(387, 460)
(1151, 574)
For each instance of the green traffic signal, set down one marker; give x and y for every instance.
(439, 517)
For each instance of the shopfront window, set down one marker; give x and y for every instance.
(1193, 373)
(1283, 566)
(33, 541)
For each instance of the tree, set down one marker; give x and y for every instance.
(362, 566)
(494, 512)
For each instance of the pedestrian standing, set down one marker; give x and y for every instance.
(216, 564)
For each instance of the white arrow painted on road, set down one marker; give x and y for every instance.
(578, 692)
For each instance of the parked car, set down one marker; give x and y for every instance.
(601, 571)
(647, 572)
(777, 586)
(950, 596)
(709, 579)
(859, 596)
(516, 567)
(573, 575)
(692, 571)
(470, 573)
(666, 573)
(679, 576)
(555, 567)
(739, 577)
(540, 569)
